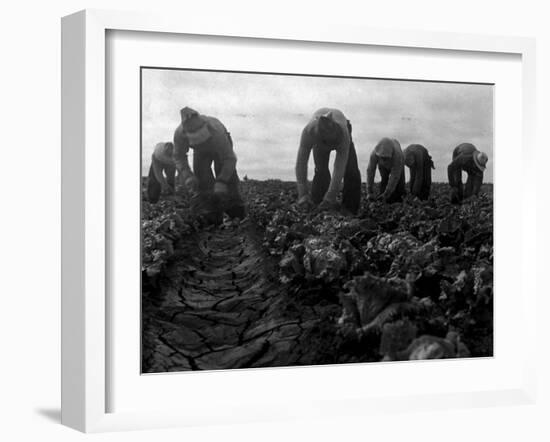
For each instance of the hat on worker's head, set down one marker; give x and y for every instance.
(194, 125)
(480, 160)
(384, 149)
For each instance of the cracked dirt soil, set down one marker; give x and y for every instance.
(219, 305)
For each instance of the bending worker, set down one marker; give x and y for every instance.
(466, 158)
(328, 130)
(162, 162)
(211, 144)
(420, 163)
(388, 156)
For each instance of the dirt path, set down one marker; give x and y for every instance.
(220, 306)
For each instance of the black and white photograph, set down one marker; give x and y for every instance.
(249, 221)
(300, 220)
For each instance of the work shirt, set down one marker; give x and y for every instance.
(463, 159)
(395, 166)
(218, 146)
(163, 156)
(339, 141)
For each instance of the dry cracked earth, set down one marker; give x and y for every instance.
(219, 306)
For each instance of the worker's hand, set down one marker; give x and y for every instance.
(371, 197)
(328, 206)
(305, 202)
(220, 188)
(382, 197)
(167, 189)
(192, 184)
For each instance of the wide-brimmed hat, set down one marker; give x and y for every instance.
(194, 125)
(480, 160)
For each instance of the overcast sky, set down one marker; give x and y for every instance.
(265, 115)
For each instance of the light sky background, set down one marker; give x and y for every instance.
(265, 115)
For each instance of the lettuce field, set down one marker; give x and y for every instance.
(285, 287)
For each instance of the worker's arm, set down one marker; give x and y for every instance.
(228, 159)
(304, 151)
(454, 170)
(371, 171)
(157, 170)
(181, 149)
(398, 163)
(340, 162)
(475, 184)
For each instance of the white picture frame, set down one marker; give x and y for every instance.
(85, 199)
